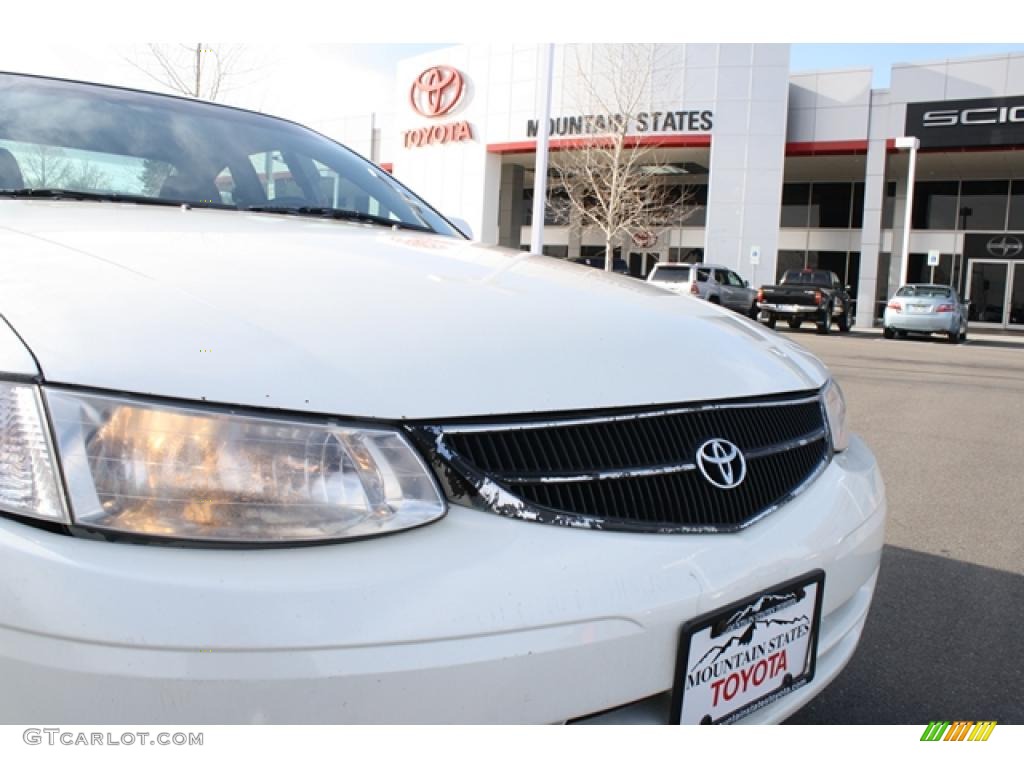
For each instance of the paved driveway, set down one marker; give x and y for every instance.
(945, 638)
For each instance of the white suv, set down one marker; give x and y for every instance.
(278, 444)
(712, 282)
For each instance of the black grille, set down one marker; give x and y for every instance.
(638, 471)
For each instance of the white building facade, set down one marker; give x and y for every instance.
(785, 170)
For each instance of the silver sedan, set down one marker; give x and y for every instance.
(926, 308)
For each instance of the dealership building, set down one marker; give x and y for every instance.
(781, 169)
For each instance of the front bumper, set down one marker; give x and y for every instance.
(475, 618)
(945, 322)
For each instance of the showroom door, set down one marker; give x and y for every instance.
(995, 290)
(1015, 301)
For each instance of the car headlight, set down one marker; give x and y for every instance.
(28, 474)
(835, 409)
(153, 469)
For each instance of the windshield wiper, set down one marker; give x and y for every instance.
(344, 214)
(52, 193)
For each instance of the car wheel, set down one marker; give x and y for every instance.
(795, 322)
(844, 322)
(825, 323)
(953, 337)
(770, 322)
(901, 334)
(714, 300)
(753, 312)
(963, 330)
(888, 332)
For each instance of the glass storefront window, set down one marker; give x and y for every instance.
(1017, 207)
(857, 219)
(830, 205)
(983, 205)
(788, 260)
(795, 201)
(935, 205)
(556, 211)
(685, 255)
(889, 205)
(699, 198)
(853, 272)
(833, 261)
(882, 286)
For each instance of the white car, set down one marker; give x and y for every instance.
(926, 309)
(711, 282)
(278, 445)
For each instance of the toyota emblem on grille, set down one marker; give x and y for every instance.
(721, 463)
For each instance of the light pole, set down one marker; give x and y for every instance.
(913, 144)
(540, 173)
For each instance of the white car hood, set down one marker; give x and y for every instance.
(349, 319)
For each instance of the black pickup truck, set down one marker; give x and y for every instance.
(807, 294)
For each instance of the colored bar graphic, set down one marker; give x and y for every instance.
(982, 730)
(958, 730)
(934, 730)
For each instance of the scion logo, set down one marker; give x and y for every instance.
(436, 91)
(721, 463)
(1005, 247)
(939, 118)
(967, 122)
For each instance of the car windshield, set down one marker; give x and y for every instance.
(73, 140)
(925, 291)
(807, 277)
(671, 275)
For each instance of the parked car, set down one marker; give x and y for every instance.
(712, 282)
(226, 339)
(619, 266)
(807, 294)
(925, 308)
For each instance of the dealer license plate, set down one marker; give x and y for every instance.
(748, 654)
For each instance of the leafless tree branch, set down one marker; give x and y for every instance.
(199, 70)
(607, 177)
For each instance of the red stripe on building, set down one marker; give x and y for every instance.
(806, 148)
(700, 140)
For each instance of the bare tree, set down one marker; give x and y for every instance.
(606, 178)
(200, 70)
(45, 166)
(88, 177)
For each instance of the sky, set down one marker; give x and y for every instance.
(322, 84)
(881, 56)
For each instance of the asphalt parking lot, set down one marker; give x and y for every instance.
(945, 637)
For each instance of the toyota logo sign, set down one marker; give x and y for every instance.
(1005, 247)
(721, 463)
(645, 238)
(436, 91)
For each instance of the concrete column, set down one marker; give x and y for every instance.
(900, 219)
(485, 220)
(510, 206)
(871, 232)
